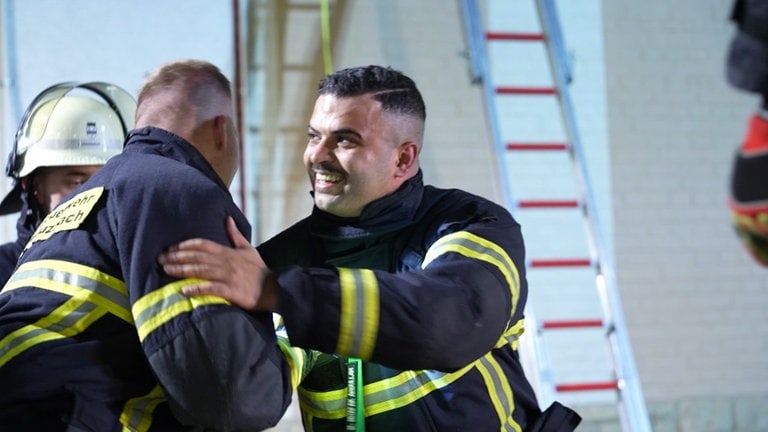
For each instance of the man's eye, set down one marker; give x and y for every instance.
(343, 141)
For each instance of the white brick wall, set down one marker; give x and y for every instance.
(652, 100)
(695, 303)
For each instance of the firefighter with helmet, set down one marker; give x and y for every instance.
(67, 133)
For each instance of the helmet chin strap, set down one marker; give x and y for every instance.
(34, 211)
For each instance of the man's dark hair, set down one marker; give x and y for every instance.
(396, 92)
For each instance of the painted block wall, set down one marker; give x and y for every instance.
(695, 303)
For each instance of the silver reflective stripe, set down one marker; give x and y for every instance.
(137, 412)
(360, 309)
(77, 281)
(92, 294)
(384, 395)
(69, 319)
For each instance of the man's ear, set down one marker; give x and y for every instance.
(220, 131)
(32, 184)
(406, 156)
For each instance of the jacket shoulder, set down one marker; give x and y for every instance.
(275, 253)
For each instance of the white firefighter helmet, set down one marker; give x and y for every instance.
(69, 124)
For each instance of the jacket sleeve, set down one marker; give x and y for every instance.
(218, 366)
(748, 199)
(466, 298)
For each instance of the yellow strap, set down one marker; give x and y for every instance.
(325, 29)
(360, 309)
(137, 412)
(162, 305)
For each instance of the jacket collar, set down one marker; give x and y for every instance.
(386, 214)
(158, 141)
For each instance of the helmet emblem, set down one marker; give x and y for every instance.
(90, 129)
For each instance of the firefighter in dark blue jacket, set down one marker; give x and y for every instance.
(93, 335)
(408, 298)
(747, 70)
(67, 133)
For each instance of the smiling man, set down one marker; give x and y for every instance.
(358, 152)
(407, 298)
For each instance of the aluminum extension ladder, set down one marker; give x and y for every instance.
(581, 286)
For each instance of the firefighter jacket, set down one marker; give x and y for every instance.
(94, 336)
(9, 252)
(748, 200)
(427, 287)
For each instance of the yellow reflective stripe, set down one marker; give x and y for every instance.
(371, 310)
(137, 412)
(499, 391)
(70, 319)
(92, 294)
(162, 305)
(512, 335)
(324, 404)
(380, 396)
(409, 386)
(387, 395)
(473, 246)
(359, 318)
(74, 280)
(299, 359)
(296, 358)
(347, 315)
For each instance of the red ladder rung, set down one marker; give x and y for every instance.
(526, 90)
(588, 386)
(507, 36)
(575, 323)
(548, 204)
(563, 262)
(536, 146)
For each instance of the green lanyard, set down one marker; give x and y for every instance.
(355, 407)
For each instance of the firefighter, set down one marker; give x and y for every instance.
(93, 335)
(411, 296)
(747, 70)
(67, 133)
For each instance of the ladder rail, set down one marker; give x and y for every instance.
(635, 414)
(475, 32)
(632, 410)
(480, 71)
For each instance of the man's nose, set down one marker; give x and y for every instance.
(319, 152)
